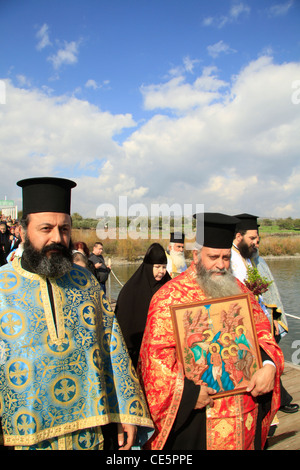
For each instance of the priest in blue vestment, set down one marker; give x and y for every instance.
(65, 373)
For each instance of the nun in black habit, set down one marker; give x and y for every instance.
(134, 298)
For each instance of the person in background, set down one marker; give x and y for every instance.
(135, 296)
(82, 248)
(16, 241)
(244, 245)
(102, 270)
(80, 259)
(271, 298)
(273, 303)
(175, 254)
(245, 253)
(5, 243)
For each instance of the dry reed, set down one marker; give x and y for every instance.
(279, 245)
(132, 250)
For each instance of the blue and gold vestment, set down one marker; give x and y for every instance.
(66, 377)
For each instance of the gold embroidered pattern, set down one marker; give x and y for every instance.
(62, 377)
(224, 428)
(249, 421)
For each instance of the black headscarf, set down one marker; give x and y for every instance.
(134, 299)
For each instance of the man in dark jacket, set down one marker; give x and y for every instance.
(102, 270)
(5, 243)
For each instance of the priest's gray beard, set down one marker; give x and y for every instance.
(56, 265)
(178, 258)
(215, 287)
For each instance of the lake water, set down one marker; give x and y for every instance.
(286, 273)
(287, 276)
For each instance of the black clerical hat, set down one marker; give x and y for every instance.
(46, 194)
(247, 222)
(215, 230)
(177, 237)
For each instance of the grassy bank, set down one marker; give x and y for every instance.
(270, 244)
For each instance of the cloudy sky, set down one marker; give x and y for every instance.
(161, 101)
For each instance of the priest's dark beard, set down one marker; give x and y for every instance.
(246, 251)
(56, 265)
(215, 287)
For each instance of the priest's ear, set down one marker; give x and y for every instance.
(237, 238)
(23, 228)
(196, 256)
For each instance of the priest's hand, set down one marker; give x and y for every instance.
(130, 430)
(262, 381)
(204, 397)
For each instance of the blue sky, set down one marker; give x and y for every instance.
(162, 101)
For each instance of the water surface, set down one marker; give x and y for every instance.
(287, 276)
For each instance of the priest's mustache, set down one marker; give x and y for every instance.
(56, 247)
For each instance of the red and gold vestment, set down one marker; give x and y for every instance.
(231, 423)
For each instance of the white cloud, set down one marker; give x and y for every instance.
(43, 37)
(220, 47)
(188, 66)
(67, 55)
(23, 81)
(281, 9)
(232, 146)
(245, 144)
(66, 52)
(95, 85)
(235, 12)
(92, 84)
(179, 95)
(238, 9)
(63, 136)
(208, 21)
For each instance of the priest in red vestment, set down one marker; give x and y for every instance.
(186, 415)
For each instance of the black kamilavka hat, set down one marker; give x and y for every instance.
(46, 194)
(177, 237)
(247, 222)
(215, 230)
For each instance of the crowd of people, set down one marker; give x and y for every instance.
(10, 238)
(124, 383)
